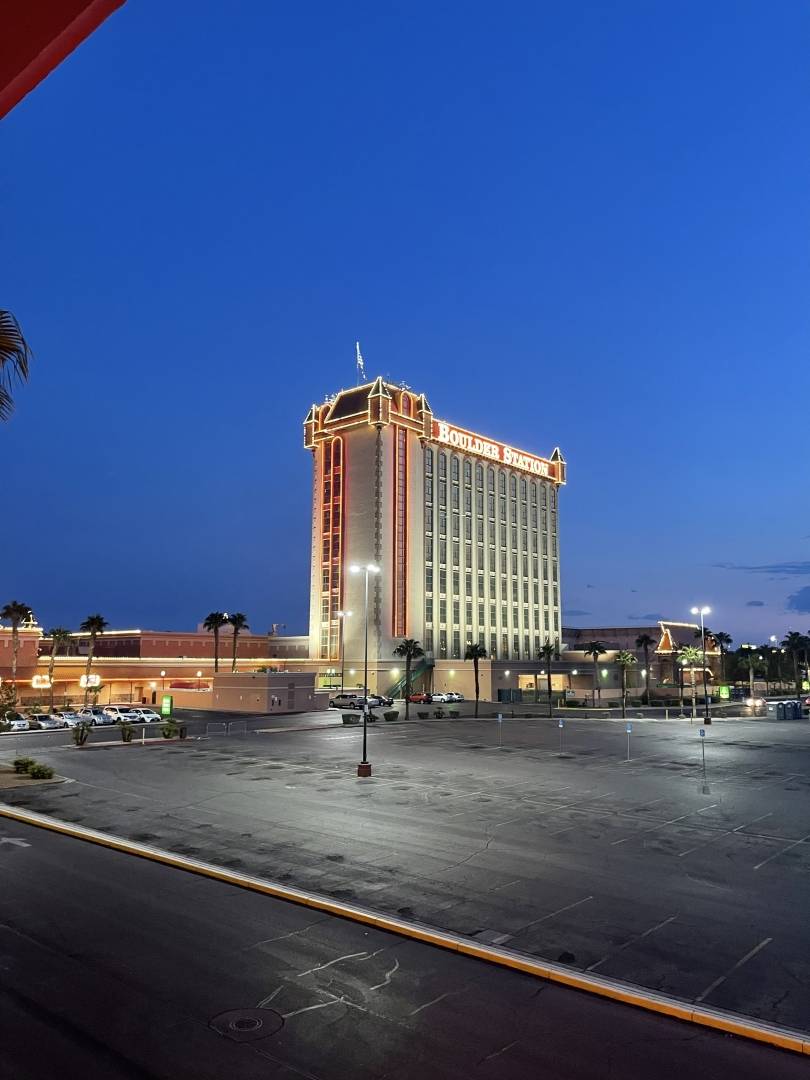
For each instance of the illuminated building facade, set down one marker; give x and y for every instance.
(463, 528)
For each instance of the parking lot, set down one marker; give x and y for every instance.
(641, 869)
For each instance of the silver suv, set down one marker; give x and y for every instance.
(93, 714)
(345, 701)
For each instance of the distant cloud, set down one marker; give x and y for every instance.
(755, 603)
(590, 586)
(650, 617)
(574, 613)
(800, 601)
(783, 569)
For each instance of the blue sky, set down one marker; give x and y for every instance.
(576, 224)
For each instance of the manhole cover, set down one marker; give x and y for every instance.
(247, 1025)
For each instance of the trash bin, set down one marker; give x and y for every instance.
(772, 708)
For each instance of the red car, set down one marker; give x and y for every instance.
(420, 698)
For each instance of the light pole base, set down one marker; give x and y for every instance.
(707, 720)
(364, 768)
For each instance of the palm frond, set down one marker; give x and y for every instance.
(14, 359)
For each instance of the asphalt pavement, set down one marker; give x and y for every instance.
(115, 967)
(549, 841)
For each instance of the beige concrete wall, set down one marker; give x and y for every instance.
(265, 692)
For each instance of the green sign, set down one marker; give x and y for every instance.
(166, 703)
(805, 684)
(724, 692)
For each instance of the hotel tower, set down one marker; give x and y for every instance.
(464, 530)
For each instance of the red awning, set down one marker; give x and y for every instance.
(37, 36)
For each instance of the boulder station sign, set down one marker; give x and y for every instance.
(469, 443)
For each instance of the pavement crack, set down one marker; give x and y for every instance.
(388, 976)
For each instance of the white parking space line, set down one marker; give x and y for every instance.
(663, 824)
(630, 941)
(559, 911)
(718, 982)
(782, 852)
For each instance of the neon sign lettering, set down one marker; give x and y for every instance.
(469, 443)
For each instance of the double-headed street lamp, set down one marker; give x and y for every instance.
(364, 768)
(701, 611)
(342, 615)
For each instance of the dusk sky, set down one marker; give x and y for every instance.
(578, 224)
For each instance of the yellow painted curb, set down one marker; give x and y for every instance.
(717, 1019)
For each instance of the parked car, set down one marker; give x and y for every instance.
(145, 716)
(421, 698)
(17, 722)
(69, 718)
(93, 714)
(344, 701)
(453, 696)
(119, 712)
(440, 698)
(46, 721)
(375, 701)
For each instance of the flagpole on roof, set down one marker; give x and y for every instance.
(361, 367)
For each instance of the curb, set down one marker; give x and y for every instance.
(718, 1019)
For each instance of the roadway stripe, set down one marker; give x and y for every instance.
(613, 989)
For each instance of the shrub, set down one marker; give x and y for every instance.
(40, 772)
(391, 715)
(80, 733)
(127, 731)
(23, 764)
(452, 712)
(169, 730)
(422, 714)
(439, 714)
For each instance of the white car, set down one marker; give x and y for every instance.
(18, 723)
(46, 721)
(145, 716)
(119, 712)
(69, 718)
(93, 715)
(441, 699)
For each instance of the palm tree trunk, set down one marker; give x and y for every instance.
(593, 695)
(477, 690)
(694, 699)
(51, 663)
(233, 661)
(536, 688)
(624, 692)
(548, 688)
(680, 685)
(216, 649)
(90, 649)
(15, 648)
(647, 674)
(751, 681)
(796, 678)
(407, 687)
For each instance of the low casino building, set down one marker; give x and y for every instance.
(464, 531)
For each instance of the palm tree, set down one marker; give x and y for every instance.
(750, 658)
(408, 650)
(239, 622)
(213, 623)
(690, 655)
(475, 652)
(723, 641)
(645, 642)
(795, 644)
(625, 660)
(595, 649)
(59, 636)
(546, 653)
(92, 625)
(14, 358)
(16, 613)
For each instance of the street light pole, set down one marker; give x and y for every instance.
(364, 768)
(704, 611)
(342, 615)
